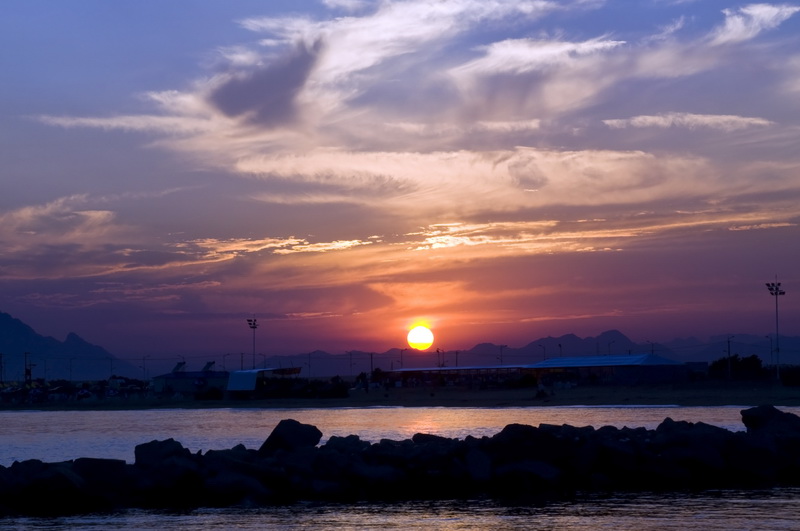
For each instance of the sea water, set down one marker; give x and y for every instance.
(62, 435)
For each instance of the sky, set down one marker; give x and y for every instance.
(342, 170)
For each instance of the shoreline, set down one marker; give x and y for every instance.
(698, 394)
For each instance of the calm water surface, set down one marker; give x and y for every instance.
(61, 435)
(771, 510)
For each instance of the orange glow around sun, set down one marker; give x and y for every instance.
(420, 337)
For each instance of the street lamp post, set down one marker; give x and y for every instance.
(776, 291)
(253, 324)
(502, 347)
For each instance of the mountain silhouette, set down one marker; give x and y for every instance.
(73, 358)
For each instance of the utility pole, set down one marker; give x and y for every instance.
(776, 291)
(253, 324)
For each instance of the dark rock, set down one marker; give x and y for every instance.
(526, 479)
(426, 438)
(49, 489)
(769, 419)
(351, 444)
(154, 453)
(290, 435)
(479, 465)
(165, 474)
(776, 434)
(518, 441)
(230, 487)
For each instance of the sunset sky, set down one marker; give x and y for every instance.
(342, 169)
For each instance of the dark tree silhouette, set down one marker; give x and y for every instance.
(737, 368)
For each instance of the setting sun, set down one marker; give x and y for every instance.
(420, 337)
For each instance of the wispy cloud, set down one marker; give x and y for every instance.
(749, 21)
(230, 248)
(725, 123)
(64, 221)
(522, 56)
(157, 124)
(322, 247)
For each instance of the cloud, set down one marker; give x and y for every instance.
(347, 5)
(726, 123)
(354, 45)
(418, 107)
(421, 184)
(749, 21)
(170, 125)
(323, 247)
(521, 56)
(669, 29)
(232, 247)
(762, 226)
(266, 96)
(64, 221)
(537, 78)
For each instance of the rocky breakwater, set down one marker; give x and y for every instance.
(519, 463)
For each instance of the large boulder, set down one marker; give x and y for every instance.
(290, 435)
(769, 419)
(775, 436)
(154, 453)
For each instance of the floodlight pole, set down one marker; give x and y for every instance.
(253, 324)
(776, 291)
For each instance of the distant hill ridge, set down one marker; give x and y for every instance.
(80, 360)
(51, 358)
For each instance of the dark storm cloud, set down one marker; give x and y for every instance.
(267, 95)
